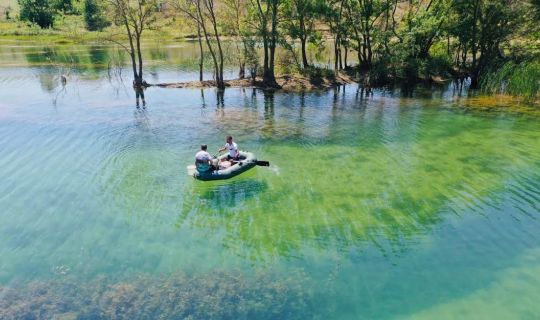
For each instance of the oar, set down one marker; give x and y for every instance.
(263, 163)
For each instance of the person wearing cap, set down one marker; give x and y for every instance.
(203, 160)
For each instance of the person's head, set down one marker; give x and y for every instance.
(229, 139)
(204, 147)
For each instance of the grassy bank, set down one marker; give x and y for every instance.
(71, 29)
(516, 79)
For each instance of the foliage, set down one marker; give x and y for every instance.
(65, 6)
(40, 12)
(94, 15)
(519, 79)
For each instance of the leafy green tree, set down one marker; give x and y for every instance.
(333, 16)
(481, 27)
(266, 19)
(300, 22)
(94, 15)
(65, 6)
(362, 16)
(40, 12)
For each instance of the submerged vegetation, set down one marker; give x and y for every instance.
(375, 41)
(218, 295)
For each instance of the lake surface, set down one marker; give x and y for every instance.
(396, 204)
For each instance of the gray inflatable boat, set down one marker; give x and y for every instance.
(246, 162)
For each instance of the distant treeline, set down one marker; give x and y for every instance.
(406, 40)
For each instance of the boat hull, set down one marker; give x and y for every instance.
(249, 161)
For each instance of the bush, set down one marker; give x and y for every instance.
(40, 12)
(94, 16)
(65, 6)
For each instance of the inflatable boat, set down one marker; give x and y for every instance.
(247, 161)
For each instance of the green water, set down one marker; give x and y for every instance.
(374, 206)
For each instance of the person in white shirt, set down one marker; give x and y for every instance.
(203, 160)
(234, 154)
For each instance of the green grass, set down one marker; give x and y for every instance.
(522, 80)
(71, 29)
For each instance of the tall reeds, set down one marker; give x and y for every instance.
(515, 79)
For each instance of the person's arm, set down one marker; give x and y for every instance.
(222, 149)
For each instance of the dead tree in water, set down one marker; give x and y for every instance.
(135, 16)
(203, 12)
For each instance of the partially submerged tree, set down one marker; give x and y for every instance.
(235, 25)
(134, 16)
(481, 26)
(266, 23)
(299, 21)
(203, 13)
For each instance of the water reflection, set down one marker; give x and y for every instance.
(139, 95)
(367, 180)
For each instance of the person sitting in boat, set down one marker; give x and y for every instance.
(203, 160)
(234, 154)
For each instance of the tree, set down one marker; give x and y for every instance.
(203, 12)
(40, 12)
(481, 26)
(334, 18)
(135, 16)
(266, 22)
(94, 15)
(64, 6)
(235, 25)
(362, 16)
(300, 22)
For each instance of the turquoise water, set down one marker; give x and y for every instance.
(386, 205)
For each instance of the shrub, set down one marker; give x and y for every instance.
(94, 16)
(40, 12)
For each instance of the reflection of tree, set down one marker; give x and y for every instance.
(268, 128)
(98, 57)
(139, 95)
(47, 80)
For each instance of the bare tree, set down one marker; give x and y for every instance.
(203, 12)
(135, 16)
(267, 25)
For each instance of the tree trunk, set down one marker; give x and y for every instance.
(201, 57)
(205, 32)
(266, 66)
(219, 72)
(139, 81)
(269, 77)
(346, 52)
(303, 39)
(336, 54)
(273, 43)
(136, 81)
(242, 71)
(304, 55)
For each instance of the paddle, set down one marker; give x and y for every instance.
(263, 163)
